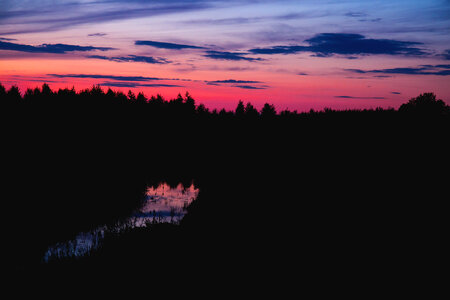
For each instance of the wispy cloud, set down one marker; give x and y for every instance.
(223, 55)
(224, 21)
(133, 58)
(356, 14)
(355, 97)
(446, 54)
(164, 45)
(255, 19)
(49, 48)
(45, 16)
(7, 39)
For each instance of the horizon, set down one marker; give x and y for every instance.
(425, 103)
(297, 56)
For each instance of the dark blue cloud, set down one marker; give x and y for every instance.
(133, 58)
(7, 39)
(231, 81)
(329, 44)
(124, 81)
(396, 93)
(113, 77)
(134, 85)
(371, 20)
(49, 48)
(242, 84)
(250, 87)
(438, 70)
(341, 43)
(356, 14)
(439, 66)
(97, 34)
(280, 50)
(446, 54)
(163, 45)
(362, 17)
(221, 55)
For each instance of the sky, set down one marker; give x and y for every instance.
(297, 55)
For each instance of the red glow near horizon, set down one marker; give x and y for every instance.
(301, 98)
(292, 80)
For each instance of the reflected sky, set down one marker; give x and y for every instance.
(163, 203)
(168, 201)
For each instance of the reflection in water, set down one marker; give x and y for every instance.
(162, 204)
(165, 204)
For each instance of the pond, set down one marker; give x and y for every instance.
(162, 204)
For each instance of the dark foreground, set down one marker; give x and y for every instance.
(353, 199)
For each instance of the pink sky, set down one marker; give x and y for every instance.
(296, 55)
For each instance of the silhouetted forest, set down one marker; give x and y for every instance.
(336, 190)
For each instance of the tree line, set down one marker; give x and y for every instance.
(424, 104)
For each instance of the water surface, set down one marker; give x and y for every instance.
(162, 204)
